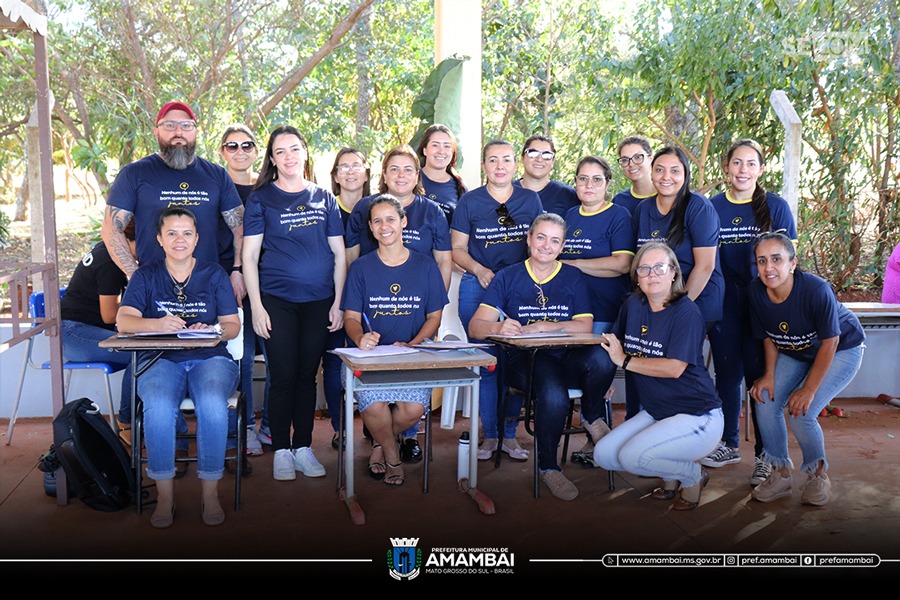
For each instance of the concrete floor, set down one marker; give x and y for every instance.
(301, 527)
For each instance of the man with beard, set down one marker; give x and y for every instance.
(174, 176)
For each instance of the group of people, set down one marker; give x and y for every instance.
(316, 269)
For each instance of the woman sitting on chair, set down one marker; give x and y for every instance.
(543, 295)
(658, 340)
(176, 293)
(392, 296)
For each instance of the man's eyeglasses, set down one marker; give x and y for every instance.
(636, 159)
(657, 269)
(532, 154)
(505, 218)
(232, 147)
(173, 125)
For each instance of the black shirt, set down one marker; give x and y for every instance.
(96, 275)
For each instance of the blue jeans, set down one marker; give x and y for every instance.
(737, 356)
(331, 376)
(470, 296)
(587, 368)
(669, 448)
(80, 344)
(208, 383)
(790, 373)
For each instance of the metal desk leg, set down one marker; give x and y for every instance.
(347, 494)
(485, 504)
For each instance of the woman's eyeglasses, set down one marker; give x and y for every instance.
(657, 269)
(533, 154)
(636, 159)
(505, 218)
(232, 147)
(597, 180)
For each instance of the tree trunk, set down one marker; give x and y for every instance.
(22, 199)
(363, 31)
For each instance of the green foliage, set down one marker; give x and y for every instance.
(440, 99)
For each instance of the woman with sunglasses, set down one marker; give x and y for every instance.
(295, 268)
(489, 233)
(438, 155)
(238, 148)
(634, 157)
(745, 210)
(658, 341)
(538, 153)
(540, 295)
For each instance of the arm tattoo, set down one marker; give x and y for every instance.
(234, 217)
(119, 219)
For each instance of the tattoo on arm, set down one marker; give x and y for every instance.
(234, 217)
(119, 219)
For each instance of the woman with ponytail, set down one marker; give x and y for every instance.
(745, 210)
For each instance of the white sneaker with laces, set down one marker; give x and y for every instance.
(305, 462)
(761, 471)
(283, 465)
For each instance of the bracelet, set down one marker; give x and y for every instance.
(237, 269)
(625, 362)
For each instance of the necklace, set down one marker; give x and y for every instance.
(178, 286)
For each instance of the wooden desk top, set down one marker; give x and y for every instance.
(861, 308)
(421, 360)
(571, 339)
(134, 344)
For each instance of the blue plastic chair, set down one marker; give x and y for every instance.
(36, 311)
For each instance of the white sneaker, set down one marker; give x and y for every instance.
(816, 490)
(283, 465)
(305, 462)
(774, 487)
(761, 471)
(254, 448)
(559, 485)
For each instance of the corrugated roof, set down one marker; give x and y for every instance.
(18, 15)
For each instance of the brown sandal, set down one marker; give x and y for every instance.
(682, 504)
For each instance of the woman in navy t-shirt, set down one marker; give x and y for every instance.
(539, 295)
(169, 295)
(744, 210)
(488, 233)
(813, 347)
(442, 182)
(392, 296)
(658, 340)
(294, 267)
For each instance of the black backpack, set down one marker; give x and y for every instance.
(95, 460)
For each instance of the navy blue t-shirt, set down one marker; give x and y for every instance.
(443, 193)
(297, 263)
(426, 230)
(492, 245)
(738, 231)
(397, 300)
(521, 296)
(701, 230)
(556, 197)
(209, 296)
(676, 332)
(810, 314)
(147, 187)
(628, 200)
(598, 235)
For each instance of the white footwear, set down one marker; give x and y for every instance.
(559, 486)
(305, 462)
(514, 450)
(254, 448)
(487, 448)
(816, 490)
(283, 465)
(774, 487)
(721, 456)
